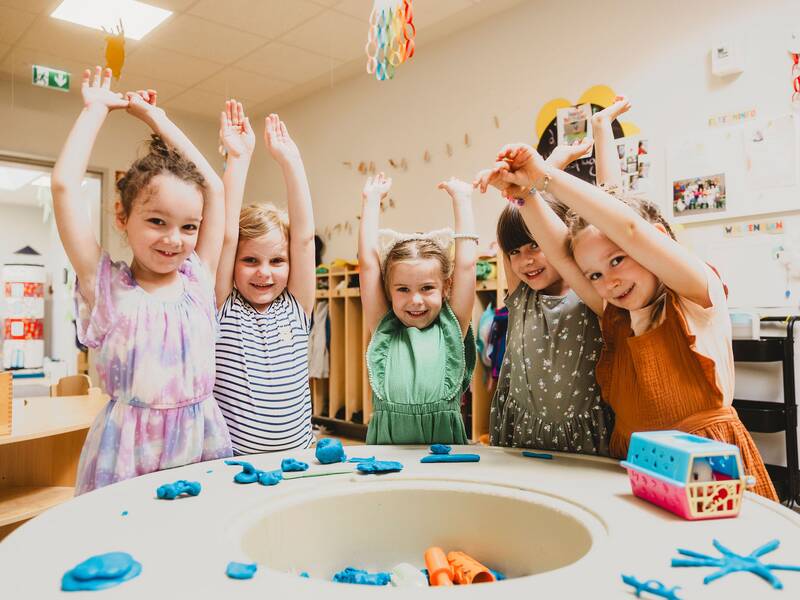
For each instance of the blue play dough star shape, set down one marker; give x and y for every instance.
(329, 451)
(440, 449)
(170, 491)
(730, 562)
(450, 458)
(249, 474)
(380, 466)
(359, 576)
(101, 572)
(237, 570)
(652, 586)
(292, 464)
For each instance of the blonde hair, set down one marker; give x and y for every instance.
(650, 212)
(416, 250)
(256, 220)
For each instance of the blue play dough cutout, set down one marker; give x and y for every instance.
(305, 574)
(249, 474)
(269, 477)
(170, 491)
(101, 572)
(291, 464)
(329, 451)
(440, 449)
(544, 455)
(237, 570)
(356, 459)
(448, 458)
(124, 513)
(359, 576)
(380, 466)
(498, 575)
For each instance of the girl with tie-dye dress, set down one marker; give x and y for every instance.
(152, 323)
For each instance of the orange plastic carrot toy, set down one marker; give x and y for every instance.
(439, 570)
(468, 570)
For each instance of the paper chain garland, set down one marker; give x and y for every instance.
(390, 37)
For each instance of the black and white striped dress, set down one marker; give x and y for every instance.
(262, 374)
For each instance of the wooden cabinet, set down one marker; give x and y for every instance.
(346, 393)
(39, 459)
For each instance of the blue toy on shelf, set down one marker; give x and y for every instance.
(691, 476)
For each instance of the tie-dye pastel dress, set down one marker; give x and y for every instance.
(155, 359)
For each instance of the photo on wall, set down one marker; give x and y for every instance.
(634, 163)
(574, 124)
(699, 195)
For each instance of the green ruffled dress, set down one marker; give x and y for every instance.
(417, 378)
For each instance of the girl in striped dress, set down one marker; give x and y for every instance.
(264, 302)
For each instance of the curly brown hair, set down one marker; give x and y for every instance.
(159, 159)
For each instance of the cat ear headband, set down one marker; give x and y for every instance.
(443, 238)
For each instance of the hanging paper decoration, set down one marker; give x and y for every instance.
(115, 50)
(390, 37)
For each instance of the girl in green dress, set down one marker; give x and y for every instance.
(417, 305)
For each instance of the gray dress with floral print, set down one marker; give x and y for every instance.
(547, 396)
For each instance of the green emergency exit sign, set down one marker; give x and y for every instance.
(50, 78)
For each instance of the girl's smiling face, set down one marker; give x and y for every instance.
(616, 277)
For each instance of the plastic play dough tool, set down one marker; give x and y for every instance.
(468, 570)
(439, 570)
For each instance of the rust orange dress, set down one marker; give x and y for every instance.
(658, 380)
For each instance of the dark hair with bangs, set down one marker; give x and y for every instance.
(511, 229)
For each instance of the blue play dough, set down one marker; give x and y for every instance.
(448, 458)
(124, 513)
(249, 474)
(440, 449)
(305, 574)
(170, 491)
(101, 572)
(352, 575)
(380, 466)
(291, 464)
(498, 575)
(329, 451)
(356, 459)
(237, 570)
(544, 455)
(269, 477)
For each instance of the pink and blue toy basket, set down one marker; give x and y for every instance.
(661, 467)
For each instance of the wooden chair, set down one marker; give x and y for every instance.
(73, 385)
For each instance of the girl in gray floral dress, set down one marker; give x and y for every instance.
(547, 396)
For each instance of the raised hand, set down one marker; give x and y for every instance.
(237, 135)
(96, 91)
(526, 167)
(142, 104)
(458, 190)
(377, 187)
(280, 145)
(562, 156)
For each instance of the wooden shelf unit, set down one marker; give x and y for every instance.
(348, 384)
(39, 459)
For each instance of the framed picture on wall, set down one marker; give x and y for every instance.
(699, 195)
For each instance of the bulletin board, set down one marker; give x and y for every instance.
(734, 171)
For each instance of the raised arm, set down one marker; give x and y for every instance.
(462, 292)
(302, 267)
(373, 297)
(142, 104)
(549, 231)
(657, 252)
(606, 157)
(239, 141)
(74, 228)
